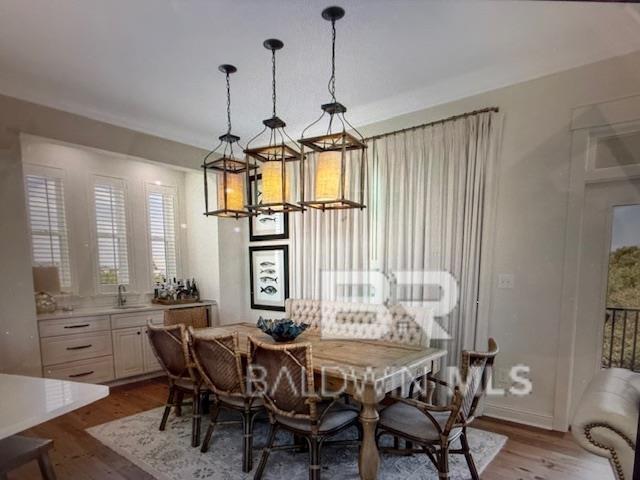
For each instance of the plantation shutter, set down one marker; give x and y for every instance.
(162, 232)
(111, 233)
(47, 222)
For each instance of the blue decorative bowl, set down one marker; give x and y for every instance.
(281, 330)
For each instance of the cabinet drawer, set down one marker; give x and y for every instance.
(95, 370)
(68, 326)
(126, 320)
(69, 348)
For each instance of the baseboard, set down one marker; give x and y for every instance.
(524, 417)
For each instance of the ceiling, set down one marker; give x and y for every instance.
(151, 65)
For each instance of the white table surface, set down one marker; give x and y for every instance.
(28, 401)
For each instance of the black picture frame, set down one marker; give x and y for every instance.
(283, 275)
(255, 237)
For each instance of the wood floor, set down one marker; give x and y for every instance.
(530, 453)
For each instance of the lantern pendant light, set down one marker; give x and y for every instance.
(272, 162)
(231, 170)
(340, 163)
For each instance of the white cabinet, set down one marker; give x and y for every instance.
(128, 356)
(99, 347)
(150, 361)
(132, 353)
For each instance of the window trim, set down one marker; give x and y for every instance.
(152, 187)
(32, 169)
(100, 289)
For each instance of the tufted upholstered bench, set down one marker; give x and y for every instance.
(363, 321)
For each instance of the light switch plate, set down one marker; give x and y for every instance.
(506, 280)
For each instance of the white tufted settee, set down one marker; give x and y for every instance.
(363, 321)
(606, 419)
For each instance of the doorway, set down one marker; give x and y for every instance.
(607, 329)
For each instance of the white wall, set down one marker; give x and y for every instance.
(533, 181)
(201, 237)
(80, 165)
(533, 176)
(19, 347)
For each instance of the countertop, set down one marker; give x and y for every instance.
(29, 401)
(111, 310)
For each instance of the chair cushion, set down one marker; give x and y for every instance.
(238, 402)
(407, 419)
(185, 383)
(338, 416)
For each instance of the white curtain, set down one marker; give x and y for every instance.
(425, 212)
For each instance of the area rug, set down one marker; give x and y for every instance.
(168, 455)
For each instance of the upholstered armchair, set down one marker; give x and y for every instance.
(170, 346)
(219, 362)
(286, 382)
(434, 428)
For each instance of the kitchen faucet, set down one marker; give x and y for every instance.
(121, 299)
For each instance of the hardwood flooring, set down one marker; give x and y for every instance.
(530, 453)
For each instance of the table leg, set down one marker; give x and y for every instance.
(369, 459)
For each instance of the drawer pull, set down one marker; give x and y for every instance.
(84, 374)
(77, 326)
(80, 347)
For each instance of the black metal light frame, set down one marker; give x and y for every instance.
(226, 164)
(280, 147)
(338, 140)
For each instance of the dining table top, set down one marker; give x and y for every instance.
(362, 359)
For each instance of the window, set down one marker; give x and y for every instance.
(47, 221)
(111, 233)
(162, 232)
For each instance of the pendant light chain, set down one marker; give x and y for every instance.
(228, 105)
(273, 81)
(332, 80)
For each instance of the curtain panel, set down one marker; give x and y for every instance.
(425, 197)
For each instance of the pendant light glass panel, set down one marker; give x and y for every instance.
(328, 176)
(272, 183)
(231, 196)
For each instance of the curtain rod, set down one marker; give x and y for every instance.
(436, 122)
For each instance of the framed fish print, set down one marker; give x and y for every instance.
(264, 226)
(269, 272)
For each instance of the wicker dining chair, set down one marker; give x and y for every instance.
(170, 346)
(433, 428)
(283, 374)
(219, 362)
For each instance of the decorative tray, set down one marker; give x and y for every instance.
(181, 301)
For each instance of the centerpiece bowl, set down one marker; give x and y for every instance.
(281, 330)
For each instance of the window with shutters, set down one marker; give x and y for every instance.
(111, 233)
(161, 207)
(47, 220)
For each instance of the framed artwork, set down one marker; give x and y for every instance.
(269, 273)
(266, 227)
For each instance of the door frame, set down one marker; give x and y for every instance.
(586, 123)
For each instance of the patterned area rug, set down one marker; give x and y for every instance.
(168, 455)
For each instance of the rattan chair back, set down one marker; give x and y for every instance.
(219, 362)
(475, 371)
(283, 374)
(171, 349)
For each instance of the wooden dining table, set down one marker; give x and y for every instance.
(366, 370)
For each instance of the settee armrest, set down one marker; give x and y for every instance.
(606, 418)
